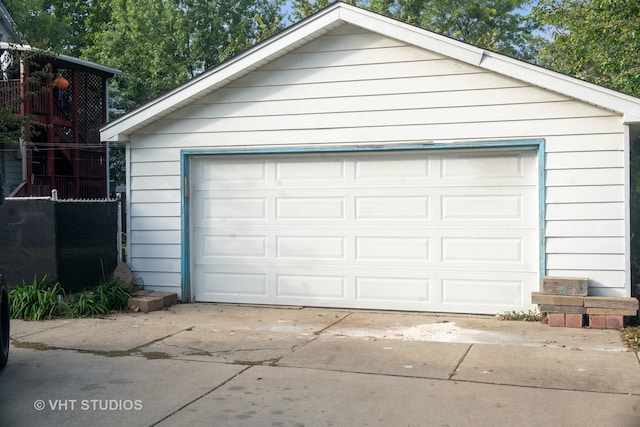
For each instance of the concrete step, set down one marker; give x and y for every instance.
(147, 301)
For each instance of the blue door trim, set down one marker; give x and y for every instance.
(187, 155)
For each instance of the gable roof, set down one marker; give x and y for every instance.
(338, 14)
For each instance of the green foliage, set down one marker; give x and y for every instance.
(35, 301)
(595, 40)
(39, 300)
(161, 44)
(105, 298)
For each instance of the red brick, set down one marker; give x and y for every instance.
(556, 319)
(615, 322)
(597, 321)
(574, 320)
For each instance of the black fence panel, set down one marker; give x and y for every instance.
(27, 240)
(86, 242)
(73, 242)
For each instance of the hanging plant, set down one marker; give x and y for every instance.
(61, 83)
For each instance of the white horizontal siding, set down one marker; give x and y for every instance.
(155, 209)
(355, 87)
(582, 177)
(156, 251)
(155, 237)
(585, 211)
(585, 245)
(389, 102)
(440, 132)
(374, 119)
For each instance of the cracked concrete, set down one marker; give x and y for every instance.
(243, 365)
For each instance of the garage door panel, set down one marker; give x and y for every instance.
(216, 246)
(482, 207)
(227, 208)
(380, 289)
(309, 170)
(310, 208)
(408, 231)
(396, 208)
(483, 291)
(482, 249)
(394, 168)
(232, 172)
(481, 167)
(310, 286)
(216, 284)
(393, 248)
(310, 247)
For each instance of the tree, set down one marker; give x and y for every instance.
(594, 40)
(159, 44)
(55, 25)
(499, 25)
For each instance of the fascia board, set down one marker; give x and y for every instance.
(66, 58)
(563, 84)
(411, 34)
(224, 73)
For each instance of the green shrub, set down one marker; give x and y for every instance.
(105, 298)
(36, 301)
(39, 300)
(112, 295)
(85, 304)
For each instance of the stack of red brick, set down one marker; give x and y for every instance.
(566, 302)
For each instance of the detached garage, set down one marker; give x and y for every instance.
(356, 161)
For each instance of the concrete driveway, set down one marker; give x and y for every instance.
(227, 365)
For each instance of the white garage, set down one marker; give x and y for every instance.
(356, 161)
(419, 230)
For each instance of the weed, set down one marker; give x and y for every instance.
(631, 336)
(527, 316)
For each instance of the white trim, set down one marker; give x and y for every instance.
(627, 210)
(340, 13)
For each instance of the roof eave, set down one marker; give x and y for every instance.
(304, 31)
(65, 58)
(563, 84)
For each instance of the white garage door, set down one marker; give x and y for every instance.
(453, 231)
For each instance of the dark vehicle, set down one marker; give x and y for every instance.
(4, 308)
(4, 324)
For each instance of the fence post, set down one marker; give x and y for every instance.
(119, 234)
